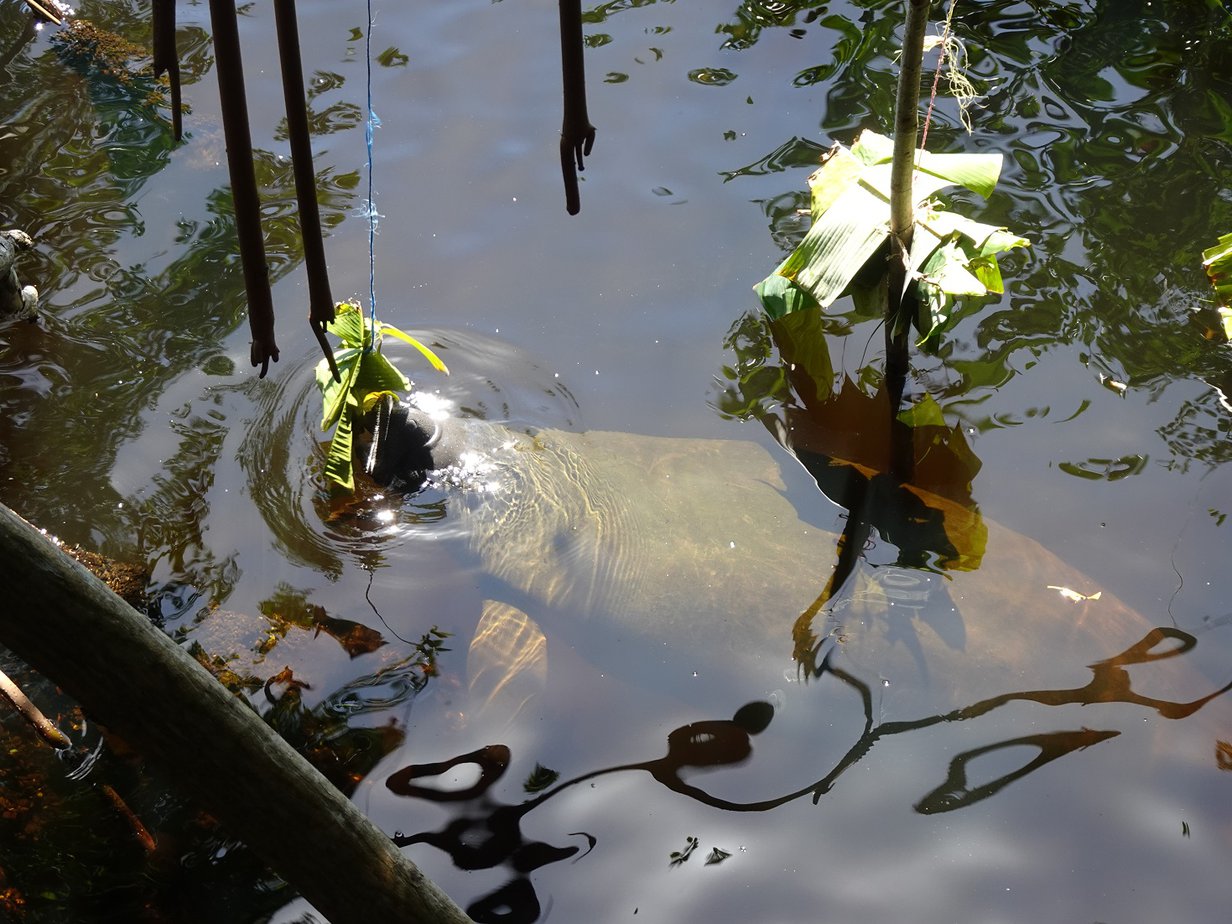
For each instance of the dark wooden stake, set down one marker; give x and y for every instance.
(577, 135)
(907, 127)
(320, 299)
(131, 677)
(166, 59)
(243, 182)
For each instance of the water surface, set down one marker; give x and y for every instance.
(1092, 394)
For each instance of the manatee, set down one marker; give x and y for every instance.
(997, 669)
(685, 553)
(983, 736)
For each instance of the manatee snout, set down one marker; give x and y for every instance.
(407, 443)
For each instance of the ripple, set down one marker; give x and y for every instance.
(283, 455)
(712, 76)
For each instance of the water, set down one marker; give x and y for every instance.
(132, 424)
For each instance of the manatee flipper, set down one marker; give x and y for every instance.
(507, 662)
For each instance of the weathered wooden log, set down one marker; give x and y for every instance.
(132, 678)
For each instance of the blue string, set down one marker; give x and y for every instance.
(369, 128)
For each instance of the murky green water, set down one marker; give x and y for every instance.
(1092, 394)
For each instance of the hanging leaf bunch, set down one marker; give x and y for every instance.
(951, 255)
(365, 376)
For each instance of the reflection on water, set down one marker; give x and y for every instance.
(283, 454)
(490, 835)
(997, 640)
(484, 833)
(978, 746)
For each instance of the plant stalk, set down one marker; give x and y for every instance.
(902, 217)
(46, 728)
(907, 123)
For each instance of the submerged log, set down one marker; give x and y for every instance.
(132, 678)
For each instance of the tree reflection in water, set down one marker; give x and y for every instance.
(486, 834)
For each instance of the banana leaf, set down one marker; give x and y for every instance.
(850, 199)
(363, 372)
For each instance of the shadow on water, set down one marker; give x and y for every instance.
(845, 440)
(1115, 119)
(485, 834)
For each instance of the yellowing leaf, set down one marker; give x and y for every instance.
(421, 347)
(839, 169)
(373, 398)
(1217, 261)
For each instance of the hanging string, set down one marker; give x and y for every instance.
(370, 126)
(945, 47)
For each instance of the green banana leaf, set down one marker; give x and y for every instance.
(956, 258)
(363, 371)
(339, 467)
(850, 199)
(334, 394)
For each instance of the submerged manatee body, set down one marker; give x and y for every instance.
(687, 551)
(657, 558)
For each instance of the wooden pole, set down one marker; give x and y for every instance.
(234, 104)
(131, 677)
(320, 298)
(577, 135)
(45, 728)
